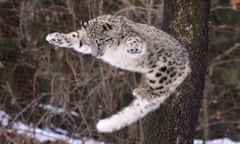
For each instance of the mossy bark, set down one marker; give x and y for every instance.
(175, 121)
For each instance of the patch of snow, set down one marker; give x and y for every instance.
(56, 110)
(58, 130)
(47, 134)
(217, 141)
(4, 118)
(42, 135)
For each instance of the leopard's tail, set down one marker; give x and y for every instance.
(130, 114)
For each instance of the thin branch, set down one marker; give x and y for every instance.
(219, 57)
(26, 108)
(204, 125)
(220, 7)
(225, 28)
(225, 62)
(216, 123)
(227, 52)
(149, 12)
(71, 11)
(131, 8)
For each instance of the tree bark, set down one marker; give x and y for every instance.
(175, 121)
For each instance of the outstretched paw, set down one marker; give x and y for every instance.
(63, 40)
(55, 38)
(135, 47)
(70, 40)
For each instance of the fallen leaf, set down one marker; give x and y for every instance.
(1, 65)
(235, 4)
(218, 115)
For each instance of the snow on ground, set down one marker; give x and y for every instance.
(217, 141)
(42, 135)
(55, 110)
(47, 134)
(4, 118)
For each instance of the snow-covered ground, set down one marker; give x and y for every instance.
(48, 135)
(217, 141)
(42, 135)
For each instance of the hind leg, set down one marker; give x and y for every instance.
(143, 93)
(159, 85)
(146, 93)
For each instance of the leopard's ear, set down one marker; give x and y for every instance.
(84, 24)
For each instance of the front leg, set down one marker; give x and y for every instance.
(70, 40)
(136, 47)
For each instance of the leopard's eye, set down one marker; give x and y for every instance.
(84, 24)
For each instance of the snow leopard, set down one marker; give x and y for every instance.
(135, 47)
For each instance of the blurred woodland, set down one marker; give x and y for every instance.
(34, 73)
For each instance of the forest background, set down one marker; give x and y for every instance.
(35, 75)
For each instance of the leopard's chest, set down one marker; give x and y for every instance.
(117, 57)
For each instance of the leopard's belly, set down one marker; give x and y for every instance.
(118, 57)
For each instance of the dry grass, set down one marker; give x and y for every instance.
(62, 78)
(33, 72)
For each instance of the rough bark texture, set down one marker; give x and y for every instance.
(175, 121)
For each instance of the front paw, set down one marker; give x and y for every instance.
(55, 38)
(135, 47)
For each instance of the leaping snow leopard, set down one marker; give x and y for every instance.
(134, 47)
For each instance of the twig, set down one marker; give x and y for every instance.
(220, 7)
(227, 52)
(8, 138)
(219, 57)
(25, 108)
(149, 12)
(204, 125)
(225, 61)
(216, 123)
(225, 28)
(131, 7)
(205, 116)
(71, 11)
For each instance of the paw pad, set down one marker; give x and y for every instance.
(55, 39)
(135, 47)
(134, 51)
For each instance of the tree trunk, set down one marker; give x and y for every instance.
(175, 121)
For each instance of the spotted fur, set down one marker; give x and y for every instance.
(134, 47)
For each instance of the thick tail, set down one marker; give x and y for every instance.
(130, 114)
